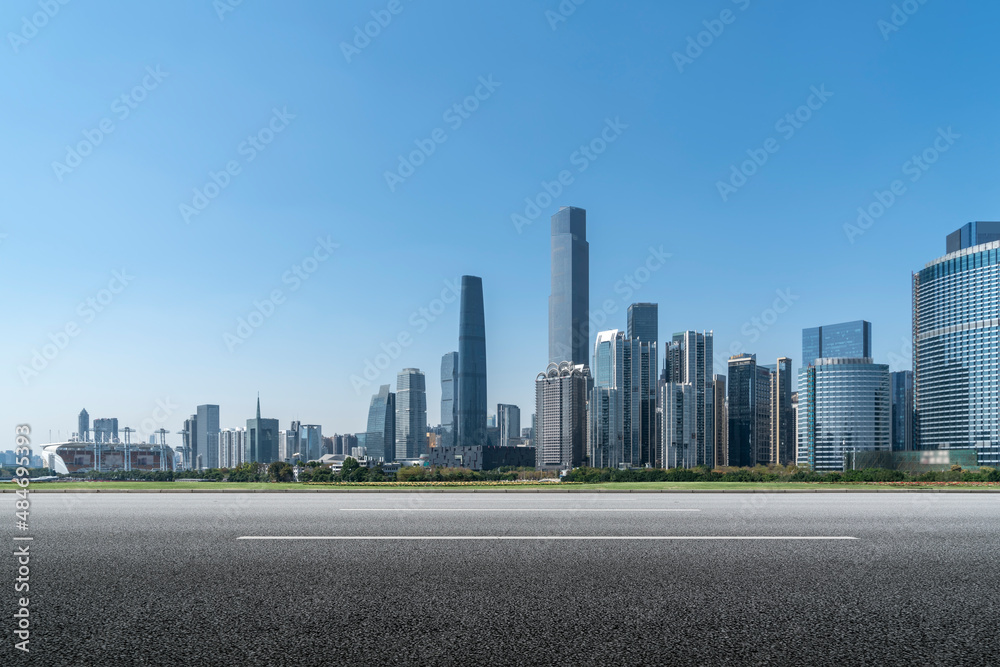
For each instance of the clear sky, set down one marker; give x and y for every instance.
(300, 119)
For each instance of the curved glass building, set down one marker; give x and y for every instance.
(471, 395)
(956, 325)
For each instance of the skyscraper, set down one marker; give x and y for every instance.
(902, 411)
(956, 345)
(380, 437)
(411, 414)
(471, 396)
(721, 422)
(845, 340)
(688, 359)
(449, 407)
(782, 416)
(190, 442)
(844, 408)
(749, 411)
(569, 302)
(508, 424)
(208, 435)
(644, 322)
(106, 430)
(560, 409)
(262, 438)
(83, 426)
(679, 431)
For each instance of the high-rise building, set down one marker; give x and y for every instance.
(310, 441)
(902, 411)
(721, 422)
(844, 408)
(411, 414)
(622, 419)
(749, 409)
(508, 425)
(644, 322)
(380, 438)
(83, 426)
(106, 430)
(471, 395)
(561, 412)
(688, 359)
(190, 442)
(845, 340)
(782, 418)
(232, 447)
(262, 438)
(569, 302)
(956, 345)
(208, 434)
(679, 430)
(449, 407)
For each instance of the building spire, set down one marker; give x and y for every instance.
(258, 405)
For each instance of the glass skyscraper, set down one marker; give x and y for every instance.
(411, 414)
(782, 417)
(380, 436)
(844, 408)
(569, 303)
(208, 435)
(262, 438)
(902, 411)
(471, 395)
(508, 424)
(449, 385)
(847, 340)
(749, 412)
(956, 329)
(644, 322)
(688, 359)
(83, 426)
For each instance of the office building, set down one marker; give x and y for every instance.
(561, 416)
(679, 429)
(569, 302)
(844, 408)
(262, 438)
(782, 417)
(471, 395)
(845, 340)
(721, 421)
(688, 359)
(644, 322)
(956, 345)
(232, 447)
(749, 410)
(380, 438)
(189, 440)
(106, 430)
(411, 414)
(902, 411)
(83, 426)
(508, 425)
(208, 435)
(449, 407)
(310, 438)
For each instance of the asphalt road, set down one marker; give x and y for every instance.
(163, 579)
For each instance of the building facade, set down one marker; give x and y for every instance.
(845, 340)
(208, 435)
(749, 410)
(380, 438)
(644, 322)
(83, 426)
(902, 411)
(262, 438)
(106, 430)
(508, 425)
(721, 422)
(233, 451)
(688, 359)
(844, 408)
(471, 395)
(561, 416)
(782, 450)
(411, 414)
(956, 345)
(569, 302)
(449, 407)
(679, 429)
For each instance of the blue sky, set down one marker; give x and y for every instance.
(300, 132)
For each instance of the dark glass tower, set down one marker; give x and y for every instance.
(380, 438)
(262, 438)
(449, 386)
(643, 322)
(569, 303)
(902, 411)
(846, 340)
(471, 395)
(83, 426)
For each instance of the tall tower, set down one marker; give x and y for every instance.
(471, 394)
(83, 426)
(449, 387)
(208, 434)
(380, 439)
(569, 303)
(643, 322)
(782, 417)
(411, 414)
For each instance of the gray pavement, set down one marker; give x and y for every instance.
(163, 579)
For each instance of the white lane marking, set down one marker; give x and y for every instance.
(505, 509)
(545, 537)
